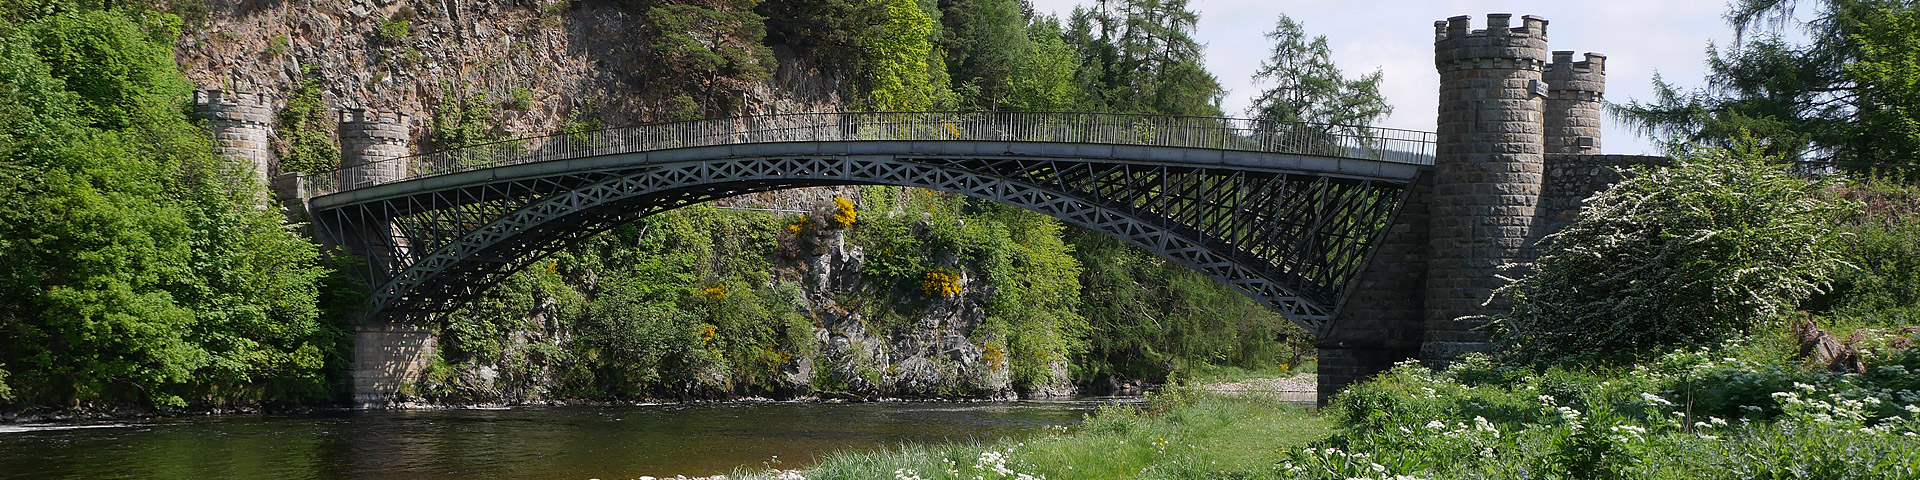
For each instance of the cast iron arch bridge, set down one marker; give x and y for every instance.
(1284, 213)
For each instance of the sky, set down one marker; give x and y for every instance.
(1639, 37)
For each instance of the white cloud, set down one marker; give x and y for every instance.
(1639, 37)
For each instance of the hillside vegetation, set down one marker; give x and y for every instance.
(139, 273)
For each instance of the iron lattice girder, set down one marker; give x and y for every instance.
(1291, 239)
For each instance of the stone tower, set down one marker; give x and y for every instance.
(242, 125)
(386, 354)
(371, 147)
(1487, 174)
(1575, 92)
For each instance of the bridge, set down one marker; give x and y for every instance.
(1384, 243)
(1283, 213)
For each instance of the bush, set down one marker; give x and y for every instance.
(1729, 412)
(1688, 255)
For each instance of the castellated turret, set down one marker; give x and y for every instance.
(1487, 173)
(1576, 94)
(372, 145)
(242, 125)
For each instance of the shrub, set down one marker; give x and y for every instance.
(942, 282)
(1478, 419)
(395, 29)
(843, 212)
(1688, 255)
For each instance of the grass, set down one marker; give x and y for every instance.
(1732, 412)
(1211, 374)
(1181, 434)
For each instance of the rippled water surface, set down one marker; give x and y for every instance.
(527, 442)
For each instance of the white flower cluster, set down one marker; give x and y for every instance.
(1807, 406)
(992, 464)
(1332, 462)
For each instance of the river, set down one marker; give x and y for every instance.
(572, 442)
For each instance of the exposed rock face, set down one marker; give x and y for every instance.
(571, 60)
(933, 357)
(575, 61)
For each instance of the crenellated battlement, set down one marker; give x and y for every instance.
(237, 99)
(250, 109)
(1457, 46)
(362, 115)
(1583, 80)
(359, 124)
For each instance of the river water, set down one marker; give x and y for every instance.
(573, 442)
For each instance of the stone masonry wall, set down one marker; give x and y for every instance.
(1576, 93)
(1571, 179)
(1487, 173)
(242, 125)
(387, 356)
(1381, 322)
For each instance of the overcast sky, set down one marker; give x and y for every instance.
(1639, 37)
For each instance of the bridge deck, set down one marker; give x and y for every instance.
(1198, 140)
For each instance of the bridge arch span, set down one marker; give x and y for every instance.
(1288, 230)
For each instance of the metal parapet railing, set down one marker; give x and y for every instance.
(1368, 143)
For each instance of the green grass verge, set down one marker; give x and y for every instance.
(1204, 374)
(1176, 435)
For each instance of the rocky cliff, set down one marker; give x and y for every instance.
(551, 64)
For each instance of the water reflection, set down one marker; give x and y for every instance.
(530, 442)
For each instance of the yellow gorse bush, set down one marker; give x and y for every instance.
(942, 283)
(843, 214)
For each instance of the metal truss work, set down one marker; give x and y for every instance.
(1290, 237)
(1225, 134)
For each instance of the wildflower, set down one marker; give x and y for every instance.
(1655, 399)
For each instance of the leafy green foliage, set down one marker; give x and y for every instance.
(463, 119)
(306, 139)
(832, 31)
(1705, 413)
(1307, 87)
(1139, 56)
(129, 272)
(1044, 77)
(1883, 244)
(1848, 95)
(904, 71)
(984, 42)
(395, 29)
(1151, 318)
(1688, 255)
(709, 49)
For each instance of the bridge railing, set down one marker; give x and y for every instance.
(1382, 144)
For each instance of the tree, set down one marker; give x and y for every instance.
(130, 271)
(1846, 96)
(1043, 81)
(985, 41)
(1309, 89)
(904, 71)
(1139, 56)
(832, 31)
(1681, 256)
(707, 54)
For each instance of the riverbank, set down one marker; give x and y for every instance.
(1209, 432)
(1735, 412)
